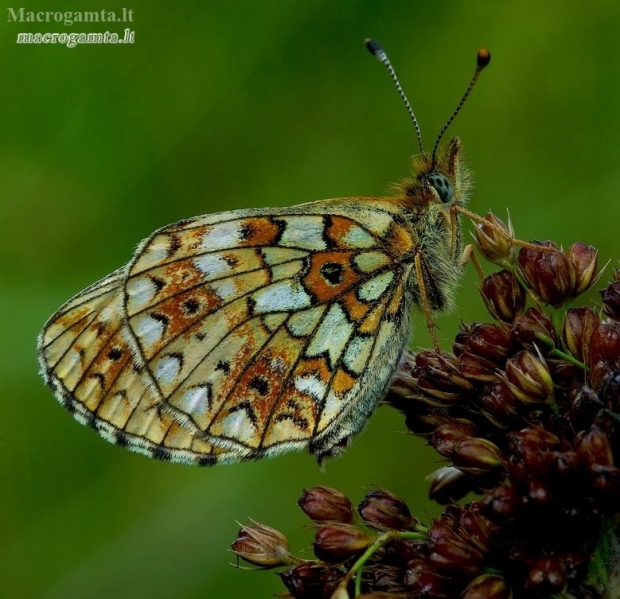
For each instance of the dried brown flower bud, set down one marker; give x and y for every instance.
(503, 295)
(383, 510)
(499, 405)
(439, 379)
(546, 577)
(611, 299)
(477, 456)
(534, 328)
(448, 484)
(309, 580)
(477, 368)
(490, 341)
(579, 323)
(504, 501)
(593, 447)
(493, 245)
(477, 527)
(262, 546)
(451, 554)
(323, 504)
(583, 258)
(337, 542)
(550, 275)
(605, 343)
(448, 434)
(528, 378)
(487, 586)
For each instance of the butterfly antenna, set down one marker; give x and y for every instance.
(379, 53)
(482, 60)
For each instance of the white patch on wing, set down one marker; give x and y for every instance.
(235, 425)
(212, 266)
(371, 261)
(332, 335)
(303, 232)
(285, 296)
(311, 384)
(358, 238)
(357, 353)
(302, 324)
(195, 400)
(167, 369)
(148, 330)
(374, 288)
(140, 292)
(222, 235)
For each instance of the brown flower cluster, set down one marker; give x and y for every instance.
(526, 410)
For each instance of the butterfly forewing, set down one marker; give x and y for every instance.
(240, 334)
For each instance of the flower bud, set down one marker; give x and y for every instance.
(593, 447)
(499, 405)
(382, 510)
(611, 300)
(546, 577)
(323, 504)
(586, 406)
(503, 295)
(533, 329)
(528, 378)
(579, 323)
(441, 384)
(262, 546)
(308, 580)
(505, 501)
(490, 341)
(477, 456)
(583, 258)
(477, 368)
(451, 554)
(448, 434)
(337, 542)
(487, 586)
(550, 275)
(448, 484)
(605, 343)
(493, 245)
(477, 528)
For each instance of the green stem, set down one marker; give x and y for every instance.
(358, 566)
(558, 353)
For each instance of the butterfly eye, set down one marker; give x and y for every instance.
(442, 185)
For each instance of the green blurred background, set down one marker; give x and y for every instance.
(222, 105)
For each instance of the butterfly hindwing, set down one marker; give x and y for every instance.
(240, 334)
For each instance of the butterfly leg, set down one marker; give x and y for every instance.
(469, 255)
(426, 304)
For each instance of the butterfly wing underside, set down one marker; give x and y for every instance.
(241, 334)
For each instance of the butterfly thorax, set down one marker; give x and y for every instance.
(429, 196)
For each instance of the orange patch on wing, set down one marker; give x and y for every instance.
(371, 322)
(399, 241)
(261, 382)
(339, 229)
(317, 281)
(343, 382)
(356, 310)
(259, 231)
(396, 300)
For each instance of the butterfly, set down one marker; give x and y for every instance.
(247, 333)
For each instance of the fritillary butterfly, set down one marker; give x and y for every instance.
(247, 333)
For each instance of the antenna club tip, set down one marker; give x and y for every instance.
(483, 58)
(373, 47)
